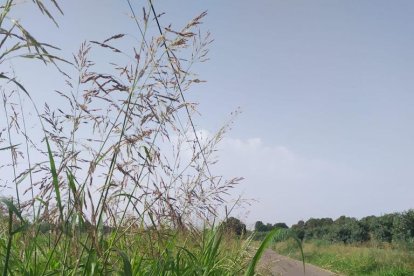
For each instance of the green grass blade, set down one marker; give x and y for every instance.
(299, 243)
(274, 234)
(9, 244)
(55, 179)
(2, 76)
(9, 147)
(127, 271)
(12, 209)
(9, 204)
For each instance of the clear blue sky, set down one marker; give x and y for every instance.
(326, 89)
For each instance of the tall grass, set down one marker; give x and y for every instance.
(117, 176)
(143, 253)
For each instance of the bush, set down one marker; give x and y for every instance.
(234, 226)
(349, 230)
(403, 226)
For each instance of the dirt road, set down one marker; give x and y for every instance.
(277, 265)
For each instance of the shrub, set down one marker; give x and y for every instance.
(235, 226)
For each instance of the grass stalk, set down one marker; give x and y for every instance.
(9, 243)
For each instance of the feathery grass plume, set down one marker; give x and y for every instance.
(119, 178)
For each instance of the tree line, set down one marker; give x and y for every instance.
(394, 227)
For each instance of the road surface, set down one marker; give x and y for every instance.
(274, 264)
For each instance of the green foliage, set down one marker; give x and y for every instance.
(235, 226)
(281, 225)
(395, 228)
(299, 229)
(382, 228)
(139, 252)
(403, 226)
(353, 260)
(12, 230)
(348, 230)
(317, 228)
(261, 227)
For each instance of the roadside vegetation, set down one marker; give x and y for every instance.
(373, 245)
(107, 174)
(353, 259)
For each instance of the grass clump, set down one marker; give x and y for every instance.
(140, 252)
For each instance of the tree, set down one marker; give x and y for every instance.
(349, 230)
(382, 228)
(235, 226)
(280, 225)
(259, 226)
(318, 228)
(403, 226)
(299, 229)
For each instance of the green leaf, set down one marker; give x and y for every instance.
(9, 147)
(72, 185)
(20, 229)
(12, 207)
(127, 271)
(2, 76)
(274, 234)
(55, 179)
(147, 153)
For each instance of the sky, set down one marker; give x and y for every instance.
(325, 89)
